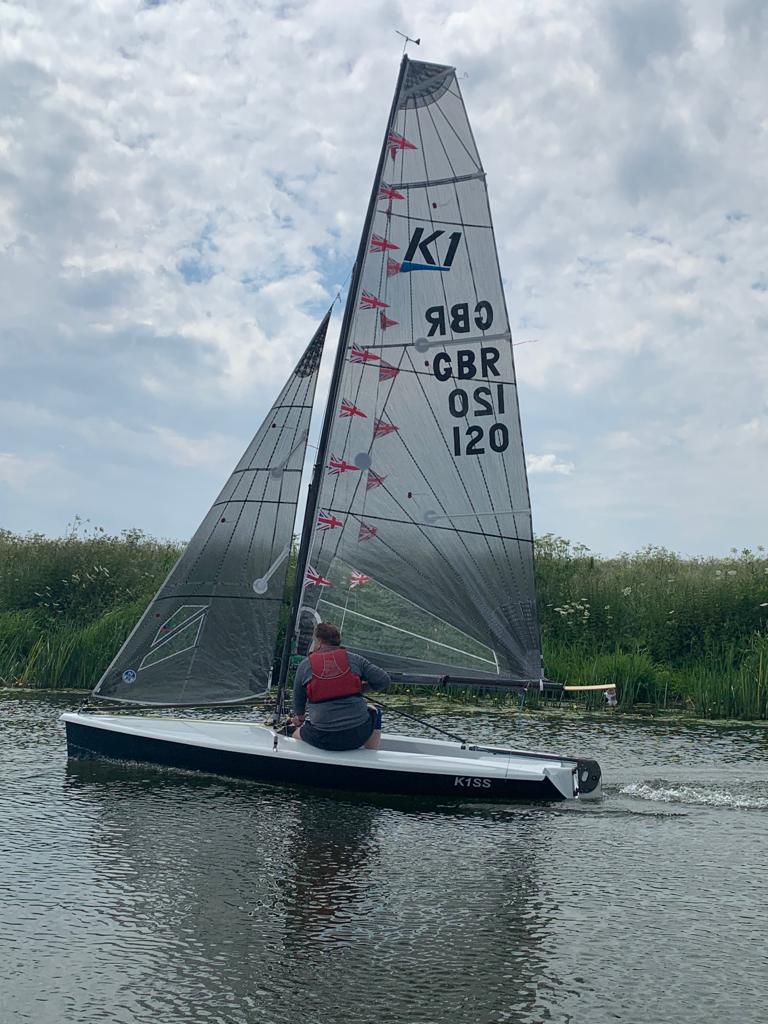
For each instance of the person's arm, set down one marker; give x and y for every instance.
(300, 692)
(373, 677)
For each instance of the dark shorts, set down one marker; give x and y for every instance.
(343, 739)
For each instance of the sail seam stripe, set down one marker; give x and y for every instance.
(474, 286)
(310, 385)
(432, 526)
(301, 386)
(431, 220)
(445, 302)
(459, 138)
(408, 632)
(493, 559)
(514, 565)
(253, 501)
(425, 373)
(292, 388)
(473, 340)
(441, 181)
(263, 469)
(218, 597)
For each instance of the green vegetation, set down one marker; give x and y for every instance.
(66, 604)
(670, 632)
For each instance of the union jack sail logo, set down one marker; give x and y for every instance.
(379, 244)
(367, 532)
(313, 578)
(358, 579)
(398, 142)
(393, 267)
(338, 466)
(374, 480)
(328, 521)
(389, 192)
(385, 321)
(387, 371)
(370, 301)
(383, 427)
(362, 355)
(348, 409)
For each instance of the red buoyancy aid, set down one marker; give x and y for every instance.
(331, 676)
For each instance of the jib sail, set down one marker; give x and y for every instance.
(209, 635)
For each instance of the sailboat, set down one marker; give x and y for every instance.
(417, 532)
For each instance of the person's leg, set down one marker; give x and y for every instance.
(373, 741)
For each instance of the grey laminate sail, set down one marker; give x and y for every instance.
(209, 634)
(425, 489)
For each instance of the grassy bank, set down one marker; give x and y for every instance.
(670, 632)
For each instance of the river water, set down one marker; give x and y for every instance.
(132, 894)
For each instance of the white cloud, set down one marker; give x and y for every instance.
(548, 464)
(18, 472)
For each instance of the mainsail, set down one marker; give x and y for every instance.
(209, 634)
(424, 488)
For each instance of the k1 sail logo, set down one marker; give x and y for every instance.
(421, 247)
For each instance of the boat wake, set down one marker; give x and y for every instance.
(742, 796)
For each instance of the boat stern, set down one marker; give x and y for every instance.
(589, 780)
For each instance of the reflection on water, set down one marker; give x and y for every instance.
(136, 894)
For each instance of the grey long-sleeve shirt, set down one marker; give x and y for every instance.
(344, 712)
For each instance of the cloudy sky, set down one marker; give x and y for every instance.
(182, 187)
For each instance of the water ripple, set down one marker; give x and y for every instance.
(131, 894)
(745, 796)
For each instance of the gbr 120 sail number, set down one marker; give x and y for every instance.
(471, 400)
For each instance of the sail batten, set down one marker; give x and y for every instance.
(433, 183)
(430, 370)
(209, 635)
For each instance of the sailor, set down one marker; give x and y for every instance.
(329, 685)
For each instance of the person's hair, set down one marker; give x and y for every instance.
(328, 633)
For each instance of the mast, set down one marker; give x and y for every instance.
(313, 496)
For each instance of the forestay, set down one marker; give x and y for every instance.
(425, 492)
(209, 634)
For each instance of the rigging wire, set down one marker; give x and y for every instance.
(420, 721)
(342, 285)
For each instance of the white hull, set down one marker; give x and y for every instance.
(402, 764)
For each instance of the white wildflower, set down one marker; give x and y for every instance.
(626, 591)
